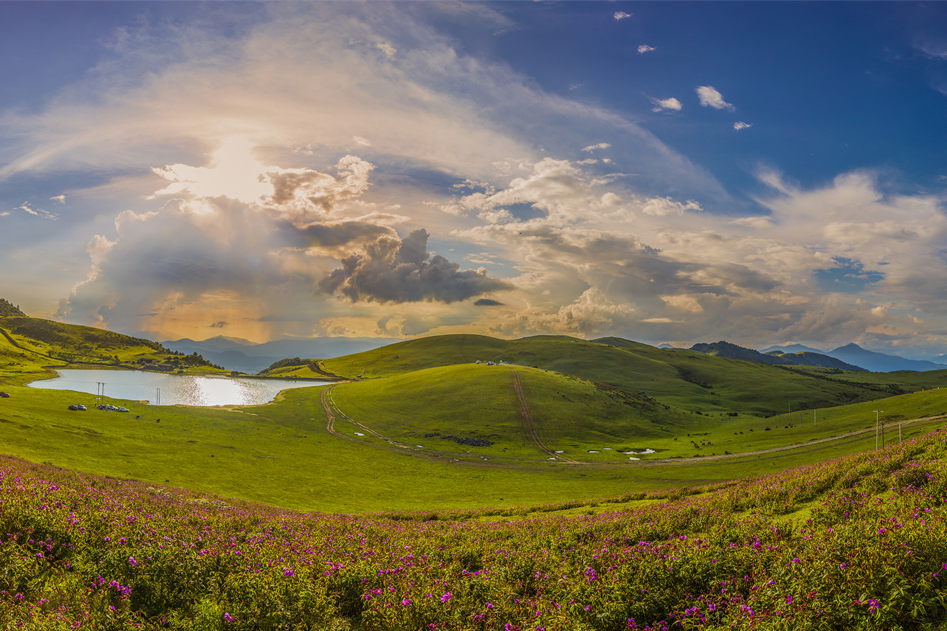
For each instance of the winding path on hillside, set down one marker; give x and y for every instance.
(531, 426)
(23, 348)
(330, 407)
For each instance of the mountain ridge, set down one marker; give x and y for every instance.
(250, 357)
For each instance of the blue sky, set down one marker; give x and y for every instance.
(760, 172)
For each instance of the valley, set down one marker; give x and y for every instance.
(458, 422)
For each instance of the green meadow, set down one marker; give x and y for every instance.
(421, 425)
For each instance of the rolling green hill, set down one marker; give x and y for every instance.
(480, 402)
(29, 346)
(7, 308)
(545, 418)
(686, 379)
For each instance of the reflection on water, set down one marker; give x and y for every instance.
(165, 389)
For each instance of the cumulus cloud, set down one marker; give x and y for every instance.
(740, 125)
(269, 251)
(301, 192)
(644, 48)
(621, 15)
(401, 270)
(710, 97)
(365, 152)
(666, 104)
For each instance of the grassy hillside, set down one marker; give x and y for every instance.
(480, 402)
(30, 345)
(283, 454)
(685, 379)
(427, 427)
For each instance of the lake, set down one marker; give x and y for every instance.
(166, 389)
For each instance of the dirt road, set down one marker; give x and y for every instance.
(332, 409)
(531, 426)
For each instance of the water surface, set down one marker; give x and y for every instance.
(167, 389)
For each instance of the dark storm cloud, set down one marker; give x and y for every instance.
(337, 234)
(393, 270)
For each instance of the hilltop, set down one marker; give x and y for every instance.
(8, 309)
(691, 380)
(540, 418)
(30, 346)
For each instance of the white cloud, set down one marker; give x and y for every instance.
(621, 15)
(710, 97)
(289, 246)
(933, 49)
(389, 50)
(666, 104)
(589, 246)
(37, 212)
(664, 206)
(59, 198)
(740, 125)
(644, 48)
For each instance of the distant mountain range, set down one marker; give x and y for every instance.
(848, 357)
(775, 357)
(234, 353)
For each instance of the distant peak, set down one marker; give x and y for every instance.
(849, 347)
(227, 338)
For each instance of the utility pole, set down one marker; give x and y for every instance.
(158, 396)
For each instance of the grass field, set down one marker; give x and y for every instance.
(550, 422)
(443, 493)
(281, 454)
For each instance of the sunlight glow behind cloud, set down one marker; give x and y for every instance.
(379, 169)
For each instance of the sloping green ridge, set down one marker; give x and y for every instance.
(480, 402)
(28, 346)
(685, 379)
(62, 337)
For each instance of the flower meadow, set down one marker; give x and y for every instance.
(854, 543)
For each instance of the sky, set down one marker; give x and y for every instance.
(757, 172)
